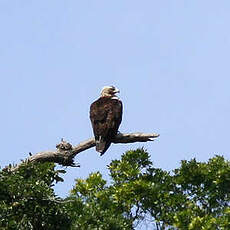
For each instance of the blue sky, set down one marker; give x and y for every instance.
(170, 60)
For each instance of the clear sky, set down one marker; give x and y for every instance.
(170, 60)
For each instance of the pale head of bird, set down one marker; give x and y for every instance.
(109, 91)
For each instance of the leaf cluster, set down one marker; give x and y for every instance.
(194, 196)
(27, 199)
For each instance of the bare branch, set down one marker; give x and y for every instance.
(65, 153)
(135, 137)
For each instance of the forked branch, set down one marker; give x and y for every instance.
(65, 153)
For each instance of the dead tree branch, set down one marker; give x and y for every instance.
(65, 153)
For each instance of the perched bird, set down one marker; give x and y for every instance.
(106, 116)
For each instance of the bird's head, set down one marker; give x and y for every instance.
(109, 91)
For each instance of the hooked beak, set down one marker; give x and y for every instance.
(116, 90)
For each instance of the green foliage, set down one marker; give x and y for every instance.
(27, 200)
(206, 187)
(194, 196)
(94, 206)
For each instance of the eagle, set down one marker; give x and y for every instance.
(106, 116)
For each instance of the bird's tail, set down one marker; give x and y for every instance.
(102, 146)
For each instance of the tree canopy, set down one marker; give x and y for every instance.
(194, 196)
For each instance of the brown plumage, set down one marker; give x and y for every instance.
(106, 116)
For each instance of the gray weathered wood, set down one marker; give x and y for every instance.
(65, 153)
